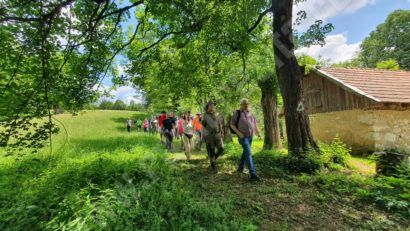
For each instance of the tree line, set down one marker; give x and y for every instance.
(118, 105)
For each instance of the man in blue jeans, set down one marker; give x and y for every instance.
(243, 122)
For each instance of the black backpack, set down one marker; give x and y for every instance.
(236, 122)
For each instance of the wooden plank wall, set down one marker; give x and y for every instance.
(322, 95)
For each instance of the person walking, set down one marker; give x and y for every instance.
(168, 126)
(145, 125)
(128, 123)
(243, 123)
(161, 119)
(153, 125)
(139, 124)
(188, 136)
(213, 127)
(198, 130)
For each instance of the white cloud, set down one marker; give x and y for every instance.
(124, 93)
(336, 49)
(325, 9)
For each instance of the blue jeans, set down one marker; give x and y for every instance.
(246, 143)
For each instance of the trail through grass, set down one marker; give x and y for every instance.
(102, 178)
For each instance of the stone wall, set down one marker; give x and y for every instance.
(365, 131)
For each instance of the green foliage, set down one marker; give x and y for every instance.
(354, 62)
(119, 105)
(52, 54)
(335, 153)
(388, 41)
(389, 64)
(307, 62)
(106, 104)
(391, 193)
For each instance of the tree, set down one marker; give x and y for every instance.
(389, 64)
(269, 102)
(53, 53)
(289, 74)
(388, 41)
(119, 105)
(106, 105)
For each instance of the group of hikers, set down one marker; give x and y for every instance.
(208, 129)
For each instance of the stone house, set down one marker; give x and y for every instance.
(368, 109)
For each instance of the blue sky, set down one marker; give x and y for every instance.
(353, 21)
(359, 24)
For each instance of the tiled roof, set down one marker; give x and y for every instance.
(383, 86)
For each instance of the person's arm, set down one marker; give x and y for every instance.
(221, 127)
(233, 126)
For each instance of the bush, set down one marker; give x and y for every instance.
(309, 163)
(390, 193)
(334, 153)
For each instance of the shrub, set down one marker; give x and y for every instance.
(390, 193)
(334, 153)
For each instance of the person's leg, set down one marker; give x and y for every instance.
(182, 143)
(243, 156)
(247, 141)
(191, 144)
(171, 138)
(201, 140)
(187, 147)
(219, 146)
(210, 144)
(128, 128)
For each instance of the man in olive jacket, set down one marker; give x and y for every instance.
(214, 133)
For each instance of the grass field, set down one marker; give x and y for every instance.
(100, 177)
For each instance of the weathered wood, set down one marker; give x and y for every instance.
(322, 95)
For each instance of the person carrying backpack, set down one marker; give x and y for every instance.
(243, 124)
(168, 126)
(214, 132)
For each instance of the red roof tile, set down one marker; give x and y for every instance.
(380, 85)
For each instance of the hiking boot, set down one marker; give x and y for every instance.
(255, 178)
(239, 170)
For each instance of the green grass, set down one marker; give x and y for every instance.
(100, 177)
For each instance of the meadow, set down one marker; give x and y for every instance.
(99, 177)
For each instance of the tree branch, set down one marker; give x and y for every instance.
(260, 17)
(158, 41)
(119, 11)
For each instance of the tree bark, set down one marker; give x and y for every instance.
(270, 113)
(298, 131)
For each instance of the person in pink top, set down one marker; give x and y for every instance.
(145, 125)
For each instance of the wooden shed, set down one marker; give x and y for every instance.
(368, 109)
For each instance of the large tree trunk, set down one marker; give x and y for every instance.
(270, 113)
(290, 80)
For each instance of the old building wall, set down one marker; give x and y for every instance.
(392, 129)
(365, 131)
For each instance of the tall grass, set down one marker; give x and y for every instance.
(101, 178)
